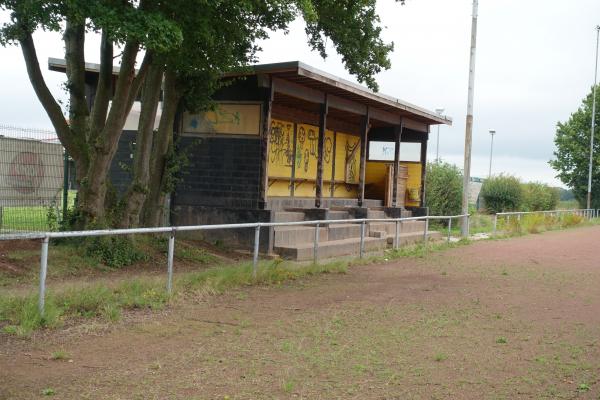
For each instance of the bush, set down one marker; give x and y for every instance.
(502, 193)
(114, 251)
(443, 189)
(539, 197)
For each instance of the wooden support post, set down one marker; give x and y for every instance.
(333, 153)
(264, 147)
(398, 136)
(321, 148)
(424, 169)
(293, 174)
(363, 159)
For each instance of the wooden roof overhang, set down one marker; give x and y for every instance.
(297, 85)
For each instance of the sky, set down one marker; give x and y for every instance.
(535, 64)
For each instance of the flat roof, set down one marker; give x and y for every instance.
(307, 75)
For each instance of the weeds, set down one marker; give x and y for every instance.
(537, 223)
(60, 355)
(98, 301)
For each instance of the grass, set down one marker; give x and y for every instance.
(31, 218)
(108, 302)
(60, 355)
(20, 316)
(537, 223)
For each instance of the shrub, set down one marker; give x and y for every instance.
(114, 251)
(539, 197)
(502, 193)
(443, 189)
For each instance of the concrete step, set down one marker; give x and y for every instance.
(343, 231)
(337, 214)
(330, 249)
(390, 227)
(414, 237)
(288, 216)
(292, 235)
(371, 213)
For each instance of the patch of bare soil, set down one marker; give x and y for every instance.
(6, 264)
(516, 318)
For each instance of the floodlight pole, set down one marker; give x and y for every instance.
(469, 125)
(589, 193)
(437, 147)
(492, 132)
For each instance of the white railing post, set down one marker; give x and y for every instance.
(170, 255)
(362, 239)
(397, 237)
(316, 245)
(425, 231)
(469, 223)
(255, 257)
(495, 224)
(449, 228)
(43, 272)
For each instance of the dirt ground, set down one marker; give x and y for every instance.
(505, 319)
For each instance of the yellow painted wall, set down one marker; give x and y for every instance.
(414, 180)
(375, 179)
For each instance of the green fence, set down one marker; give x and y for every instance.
(32, 180)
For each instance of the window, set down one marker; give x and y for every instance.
(384, 151)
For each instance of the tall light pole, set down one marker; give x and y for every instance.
(492, 132)
(589, 194)
(469, 125)
(437, 147)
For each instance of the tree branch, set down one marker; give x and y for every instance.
(136, 194)
(103, 89)
(44, 96)
(119, 108)
(74, 38)
(139, 80)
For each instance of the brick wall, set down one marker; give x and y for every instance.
(222, 172)
(120, 168)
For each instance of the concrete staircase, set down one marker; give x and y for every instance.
(297, 242)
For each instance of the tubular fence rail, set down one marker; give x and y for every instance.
(172, 231)
(588, 213)
(46, 236)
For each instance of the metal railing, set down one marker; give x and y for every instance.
(46, 236)
(587, 213)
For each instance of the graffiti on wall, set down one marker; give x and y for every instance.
(226, 118)
(352, 159)
(282, 157)
(280, 143)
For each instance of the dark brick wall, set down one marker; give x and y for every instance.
(222, 172)
(241, 238)
(120, 169)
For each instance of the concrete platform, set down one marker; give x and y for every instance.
(331, 248)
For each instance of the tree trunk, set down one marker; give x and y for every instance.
(92, 191)
(153, 210)
(138, 188)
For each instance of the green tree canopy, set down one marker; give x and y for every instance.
(186, 46)
(572, 153)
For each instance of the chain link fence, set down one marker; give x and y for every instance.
(32, 179)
